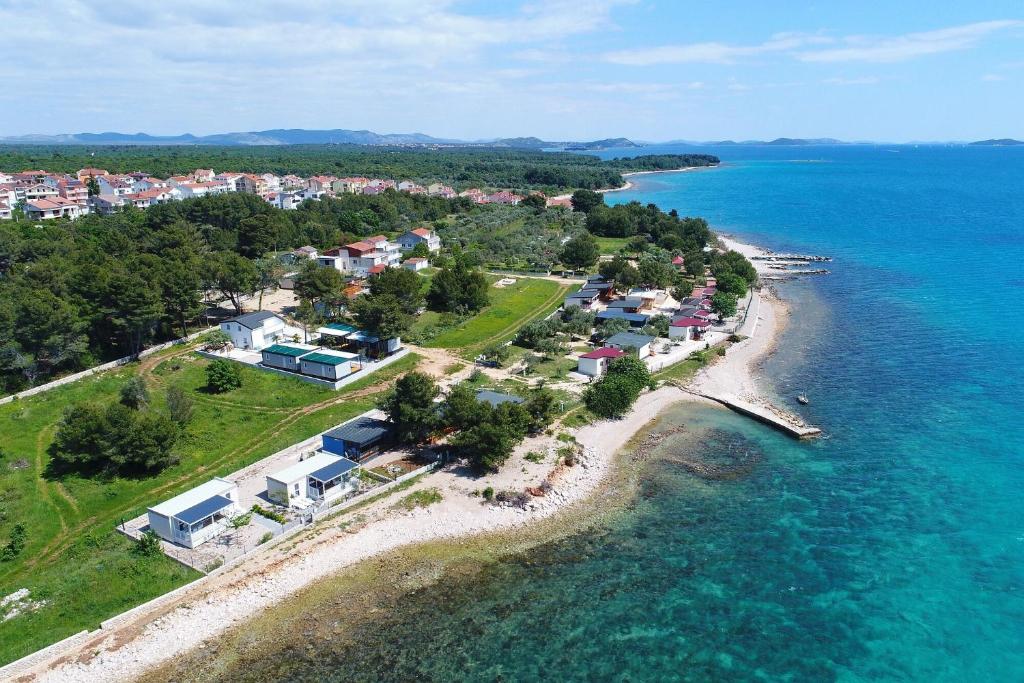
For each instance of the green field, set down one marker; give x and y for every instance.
(73, 559)
(510, 308)
(611, 245)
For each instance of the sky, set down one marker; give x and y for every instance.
(649, 70)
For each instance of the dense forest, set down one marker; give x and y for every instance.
(459, 167)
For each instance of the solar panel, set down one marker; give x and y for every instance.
(203, 510)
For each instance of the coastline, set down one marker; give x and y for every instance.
(154, 637)
(630, 185)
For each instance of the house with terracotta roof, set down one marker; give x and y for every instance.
(85, 173)
(229, 179)
(203, 175)
(53, 207)
(115, 185)
(150, 183)
(75, 190)
(37, 191)
(475, 195)
(595, 363)
(409, 240)
(5, 210)
(251, 184)
(503, 197)
(292, 182)
(106, 204)
(440, 190)
(416, 263)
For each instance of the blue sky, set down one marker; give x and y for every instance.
(558, 69)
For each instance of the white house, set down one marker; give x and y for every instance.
(624, 341)
(415, 264)
(198, 515)
(5, 210)
(595, 363)
(409, 240)
(254, 331)
(53, 207)
(687, 328)
(323, 477)
(115, 185)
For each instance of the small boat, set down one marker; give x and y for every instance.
(803, 400)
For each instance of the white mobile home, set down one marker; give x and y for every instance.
(325, 476)
(329, 364)
(196, 516)
(286, 356)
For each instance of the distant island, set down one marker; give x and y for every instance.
(1001, 142)
(299, 136)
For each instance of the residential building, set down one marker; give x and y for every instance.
(6, 213)
(54, 207)
(292, 182)
(85, 173)
(416, 264)
(203, 175)
(329, 364)
(38, 191)
(306, 252)
(503, 197)
(634, 319)
(406, 185)
(628, 341)
(358, 439)
(285, 356)
(254, 331)
(115, 185)
(284, 200)
(595, 363)
(228, 179)
(320, 183)
(74, 190)
(350, 185)
(475, 195)
(584, 298)
(150, 183)
(409, 240)
(251, 183)
(106, 204)
(392, 250)
(629, 304)
(322, 477)
(688, 328)
(272, 181)
(194, 517)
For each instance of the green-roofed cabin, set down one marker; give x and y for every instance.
(286, 356)
(329, 364)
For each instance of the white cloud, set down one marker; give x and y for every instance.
(861, 80)
(910, 45)
(711, 52)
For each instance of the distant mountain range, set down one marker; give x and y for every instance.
(342, 136)
(299, 136)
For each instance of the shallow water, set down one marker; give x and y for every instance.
(892, 549)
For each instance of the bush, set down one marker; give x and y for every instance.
(269, 514)
(489, 493)
(223, 376)
(534, 456)
(179, 406)
(720, 351)
(264, 538)
(147, 545)
(16, 543)
(611, 396)
(134, 394)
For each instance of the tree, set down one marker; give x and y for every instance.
(381, 315)
(404, 285)
(541, 407)
(179, 406)
(489, 440)
(535, 201)
(609, 328)
(584, 201)
(693, 262)
(93, 186)
(611, 396)
(577, 322)
(131, 307)
(411, 409)
(223, 375)
(633, 369)
(134, 393)
(581, 252)
(497, 353)
(420, 250)
(531, 334)
(658, 326)
(233, 276)
(458, 289)
(308, 316)
(461, 409)
(637, 244)
(180, 283)
(730, 283)
(724, 304)
(269, 272)
(654, 272)
(318, 284)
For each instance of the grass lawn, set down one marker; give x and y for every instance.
(73, 559)
(510, 308)
(611, 245)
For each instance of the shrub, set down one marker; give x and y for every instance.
(134, 394)
(264, 538)
(269, 514)
(179, 406)
(420, 499)
(534, 456)
(223, 376)
(489, 493)
(241, 520)
(16, 543)
(720, 351)
(147, 545)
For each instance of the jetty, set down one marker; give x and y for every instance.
(798, 258)
(761, 411)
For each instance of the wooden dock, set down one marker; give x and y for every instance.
(769, 415)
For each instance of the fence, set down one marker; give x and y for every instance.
(102, 368)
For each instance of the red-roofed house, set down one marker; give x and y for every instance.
(203, 175)
(416, 263)
(86, 173)
(377, 269)
(595, 363)
(409, 240)
(503, 197)
(678, 262)
(54, 207)
(252, 184)
(687, 328)
(5, 211)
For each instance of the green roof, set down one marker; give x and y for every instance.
(282, 350)
(326, 359)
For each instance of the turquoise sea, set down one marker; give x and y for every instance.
(892, 549)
